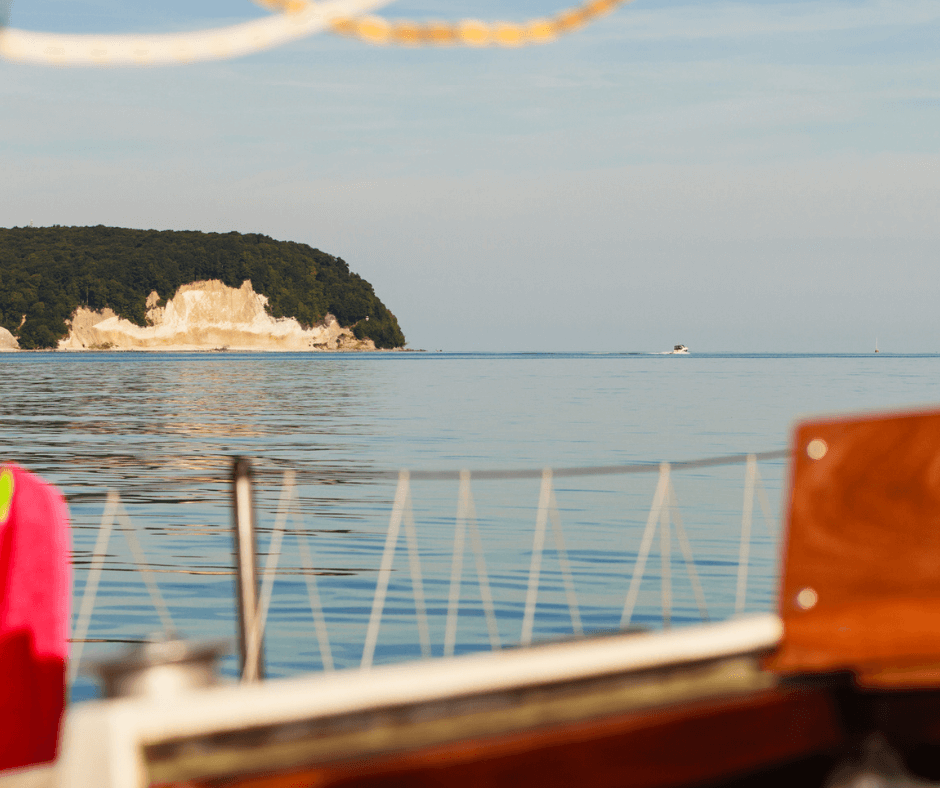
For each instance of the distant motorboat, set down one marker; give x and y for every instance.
(680, 349)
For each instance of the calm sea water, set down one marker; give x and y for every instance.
(161, 430)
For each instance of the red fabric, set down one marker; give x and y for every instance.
(34, 620)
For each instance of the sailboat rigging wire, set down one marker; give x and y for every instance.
(565, 564)
(91, 584)
(130, 533)
(686, 548)
(750, 478)
(538, 544)
(486, 595)
(665, 559)
(663, 513)
(753, 485)
(659, 499)
(385, 570)
(313, 593)
(401, 510)
(456, 565)
(417, 585)
(467, 518)
(267, 585)
(113, 510)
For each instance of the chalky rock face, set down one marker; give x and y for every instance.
(206, 316)
(8, 341)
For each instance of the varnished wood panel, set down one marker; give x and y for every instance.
(680, 746)
(861, 579)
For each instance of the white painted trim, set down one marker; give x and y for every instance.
(102, 745)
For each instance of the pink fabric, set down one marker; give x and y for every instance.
(35, 593)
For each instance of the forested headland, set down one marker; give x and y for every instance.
(46, 273)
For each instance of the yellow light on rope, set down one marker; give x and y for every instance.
(467, 32)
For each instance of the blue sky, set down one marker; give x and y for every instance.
(743, 176)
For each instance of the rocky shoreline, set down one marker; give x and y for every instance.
(203, 316)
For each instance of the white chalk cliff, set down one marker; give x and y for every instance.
(205, 316)
(7, 340)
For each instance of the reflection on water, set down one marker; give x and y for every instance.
(161, 429)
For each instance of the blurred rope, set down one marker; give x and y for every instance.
(294, 19)
(465, 32)
(59, 49)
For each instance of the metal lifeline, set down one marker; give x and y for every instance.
(253, 607)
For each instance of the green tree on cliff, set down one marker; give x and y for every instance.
(48, 272)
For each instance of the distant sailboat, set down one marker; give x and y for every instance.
(876, 345)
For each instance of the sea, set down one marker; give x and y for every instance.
(328, 435)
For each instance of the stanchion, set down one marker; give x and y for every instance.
(250, 638)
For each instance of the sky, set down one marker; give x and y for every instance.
(755, 176)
